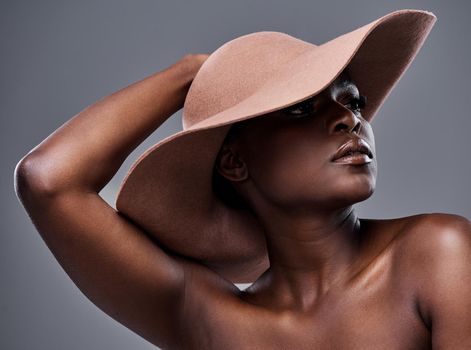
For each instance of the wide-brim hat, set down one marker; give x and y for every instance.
(168, 191)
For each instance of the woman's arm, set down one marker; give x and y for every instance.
(112, 261)
(86, 151)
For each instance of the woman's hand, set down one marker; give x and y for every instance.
(198, 57)
(193, 62)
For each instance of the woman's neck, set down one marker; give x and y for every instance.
(308, 256)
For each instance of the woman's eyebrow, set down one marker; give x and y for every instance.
(348, 86)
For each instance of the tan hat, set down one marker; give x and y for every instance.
(170, 186)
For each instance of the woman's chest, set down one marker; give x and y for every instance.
(375, 312)
(377, 323)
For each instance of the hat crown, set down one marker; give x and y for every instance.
(236, 70)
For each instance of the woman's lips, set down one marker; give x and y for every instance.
(355, 158)
(352, 146)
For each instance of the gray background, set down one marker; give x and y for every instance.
(57, 57)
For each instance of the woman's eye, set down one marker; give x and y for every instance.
(302, 109)
(357, 103)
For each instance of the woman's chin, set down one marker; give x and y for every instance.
(358, 193)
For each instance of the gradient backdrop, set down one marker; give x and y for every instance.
(57, 57)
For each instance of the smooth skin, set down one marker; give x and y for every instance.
(334, 281)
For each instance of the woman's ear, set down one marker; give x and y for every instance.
(230, 164)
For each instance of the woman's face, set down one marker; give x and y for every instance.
(288, 153)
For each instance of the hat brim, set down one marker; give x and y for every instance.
(168, 190)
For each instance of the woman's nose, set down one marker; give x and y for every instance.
(345, 121)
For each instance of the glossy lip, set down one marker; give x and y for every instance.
(353, 145)
(354, 159)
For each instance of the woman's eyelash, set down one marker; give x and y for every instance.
(302, 108)
(358, 103)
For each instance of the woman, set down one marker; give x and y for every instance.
(323, 278)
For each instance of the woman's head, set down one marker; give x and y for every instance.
(284, 158)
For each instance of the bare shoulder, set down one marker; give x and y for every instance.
(430, 237)
(430, 233)
(433, 259)
(419, 242)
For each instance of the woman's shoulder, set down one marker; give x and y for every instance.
(426, 244)
(432, 260)
(430, 227)
(425, 226)
(423, 239)
(430, 235)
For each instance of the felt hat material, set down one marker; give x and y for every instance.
(169, 187)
